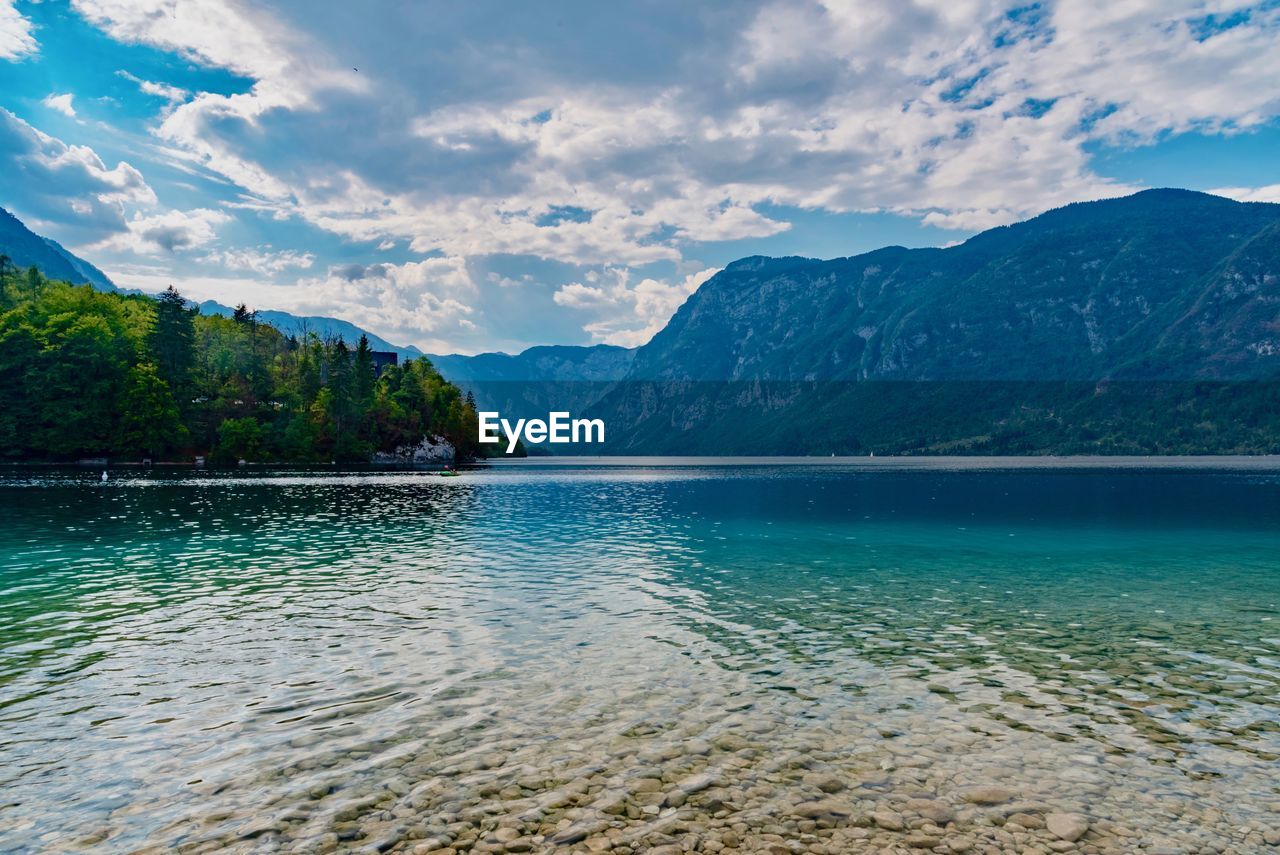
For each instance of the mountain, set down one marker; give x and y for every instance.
(566, 363)
(1145, 323)
(538, 380)
(87, 272)
(1161, 284)
(325, 327)
(26, 248)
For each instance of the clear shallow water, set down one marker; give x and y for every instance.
(401, 661)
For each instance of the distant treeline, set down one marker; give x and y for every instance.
(996, 417)
(86, 373)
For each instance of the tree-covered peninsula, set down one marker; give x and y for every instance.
(85, 373)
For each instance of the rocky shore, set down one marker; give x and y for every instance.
(431, 450)
(930, 777)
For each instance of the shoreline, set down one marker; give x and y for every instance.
(909, 461)
(1261, 462)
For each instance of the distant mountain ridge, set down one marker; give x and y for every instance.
(324, 327)
(538, 380)
(565, 363)
(1166, 284)
(26, 248)
(1170, 284)
(1149, 323)
(84, 269)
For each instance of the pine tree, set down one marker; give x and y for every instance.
(341, 387)
(172, 341)
(364, 374)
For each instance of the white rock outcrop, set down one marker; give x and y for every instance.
(432, 449)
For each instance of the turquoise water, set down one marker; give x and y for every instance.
(402, 662)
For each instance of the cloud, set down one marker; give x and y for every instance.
(427, 303)
(167, 232)
(1269, 193)
(65, 187)
(16, 40)
(265, 261)
(286, 68)
(965, 114)
(507, 281)
(209, 32)
(60, 103)
(506, 138)
(172, 94)
(625, 314)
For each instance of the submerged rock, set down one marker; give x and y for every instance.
(1067, 826)
(987, 795)
(825, 808)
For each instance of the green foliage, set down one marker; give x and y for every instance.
(85, 373)
(150, 422)
(171, 341)
(238, 439)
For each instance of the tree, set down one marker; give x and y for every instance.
(364, 374)
(343, 409)
(310, 356)
(88, 373)
(150, 422)
(6, 299)
(19, 357)
(172, 341)
(87, 346)
(238, 439)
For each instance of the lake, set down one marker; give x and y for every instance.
(644, 656)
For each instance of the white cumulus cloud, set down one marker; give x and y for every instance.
(170, 93)
(963, 113)
(1268, 193)
(16, 40)
(167, 232)
(264, 261)
(66, 187)
(61, 103)
(624, 313)
(508, 139)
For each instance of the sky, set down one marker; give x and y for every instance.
(491, 175)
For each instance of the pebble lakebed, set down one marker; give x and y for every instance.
(661, 680)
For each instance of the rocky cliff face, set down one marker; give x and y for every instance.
(1137, 325)
(1167, 284)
